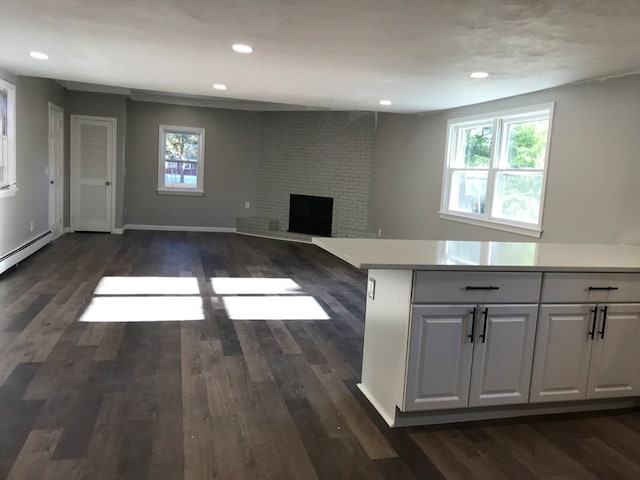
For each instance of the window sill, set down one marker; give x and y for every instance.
(527, 231)
(177, 191)
(8, 192)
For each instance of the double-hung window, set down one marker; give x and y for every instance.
(496, 168)
(181, 160)
(7, 139)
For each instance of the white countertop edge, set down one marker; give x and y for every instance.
(337, 253)
(329, 244)
(494, 268)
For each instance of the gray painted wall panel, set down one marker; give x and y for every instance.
(233, 146)
(31, 202)
(594, 167)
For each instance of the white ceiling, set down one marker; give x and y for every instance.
(337, 54)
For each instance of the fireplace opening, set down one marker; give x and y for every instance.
(311, 215)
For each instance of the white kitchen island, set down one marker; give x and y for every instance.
(459, 330)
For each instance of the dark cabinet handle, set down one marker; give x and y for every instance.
(470, 287)
(604, 288)
(473, 325)
(484, 328)
(592, 332)
(604, 322)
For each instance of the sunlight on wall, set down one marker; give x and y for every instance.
(274, 308)
(254, 286)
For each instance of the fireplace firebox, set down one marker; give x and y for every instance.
(310, 214)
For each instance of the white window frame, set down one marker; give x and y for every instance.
(497, 120)
(8, 187)
(162, 189)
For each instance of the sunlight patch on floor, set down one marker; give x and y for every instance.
(296, 307)
(143, 309)
(147, 286)
(254, 286)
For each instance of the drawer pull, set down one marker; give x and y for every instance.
(604, 288)
(484, 328)
(604, 322)
(592, 332)
(473, 325)
(471, 287)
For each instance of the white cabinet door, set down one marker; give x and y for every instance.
(502, 356)
(439, 357)
(562, 352)
(615, 359)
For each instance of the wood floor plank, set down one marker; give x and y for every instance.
(35, 455)
(256, 363)
(104, 447)
(369, 437)
(72, 469)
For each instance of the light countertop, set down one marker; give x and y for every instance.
(471, 255)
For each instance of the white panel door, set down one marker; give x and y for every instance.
(502, 355)
(92, 160)
(562, 352)
(56, 168)
(439, 357)
(615, 359)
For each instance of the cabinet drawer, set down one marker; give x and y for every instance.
(476, 287)
(590, 287)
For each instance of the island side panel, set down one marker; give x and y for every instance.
(385, 340)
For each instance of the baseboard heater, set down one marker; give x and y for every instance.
(17, 255)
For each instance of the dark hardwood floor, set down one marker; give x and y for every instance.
(229, 399)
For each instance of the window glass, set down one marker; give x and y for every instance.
(181, 159)
(496, 169)
(474, 147)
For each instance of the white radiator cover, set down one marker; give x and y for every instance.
(29, 248)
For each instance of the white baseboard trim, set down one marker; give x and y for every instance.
(178, 228)
(28, 248)
(118, 231)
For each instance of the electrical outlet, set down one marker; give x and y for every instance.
(379, 232)
(371, 288)
(247, 204)
(31, 226)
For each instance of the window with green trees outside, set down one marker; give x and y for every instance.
(181, 160)
(495, 170)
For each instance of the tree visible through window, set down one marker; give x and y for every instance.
(496, 166)
(181, 159)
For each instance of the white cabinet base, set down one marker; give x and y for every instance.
(438, 417)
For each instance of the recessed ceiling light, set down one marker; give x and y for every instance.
(385, 102)
(241, 48)
(479, 75)
(39, 55)
(219, 86)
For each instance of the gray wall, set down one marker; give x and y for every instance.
(232, 150)
(99, 105)
(31, 202)
(594, 167)
(317, 153)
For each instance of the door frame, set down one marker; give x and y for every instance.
(60, 187)
(74, 160)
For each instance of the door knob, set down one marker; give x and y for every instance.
(107, 183)
(52, 182)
